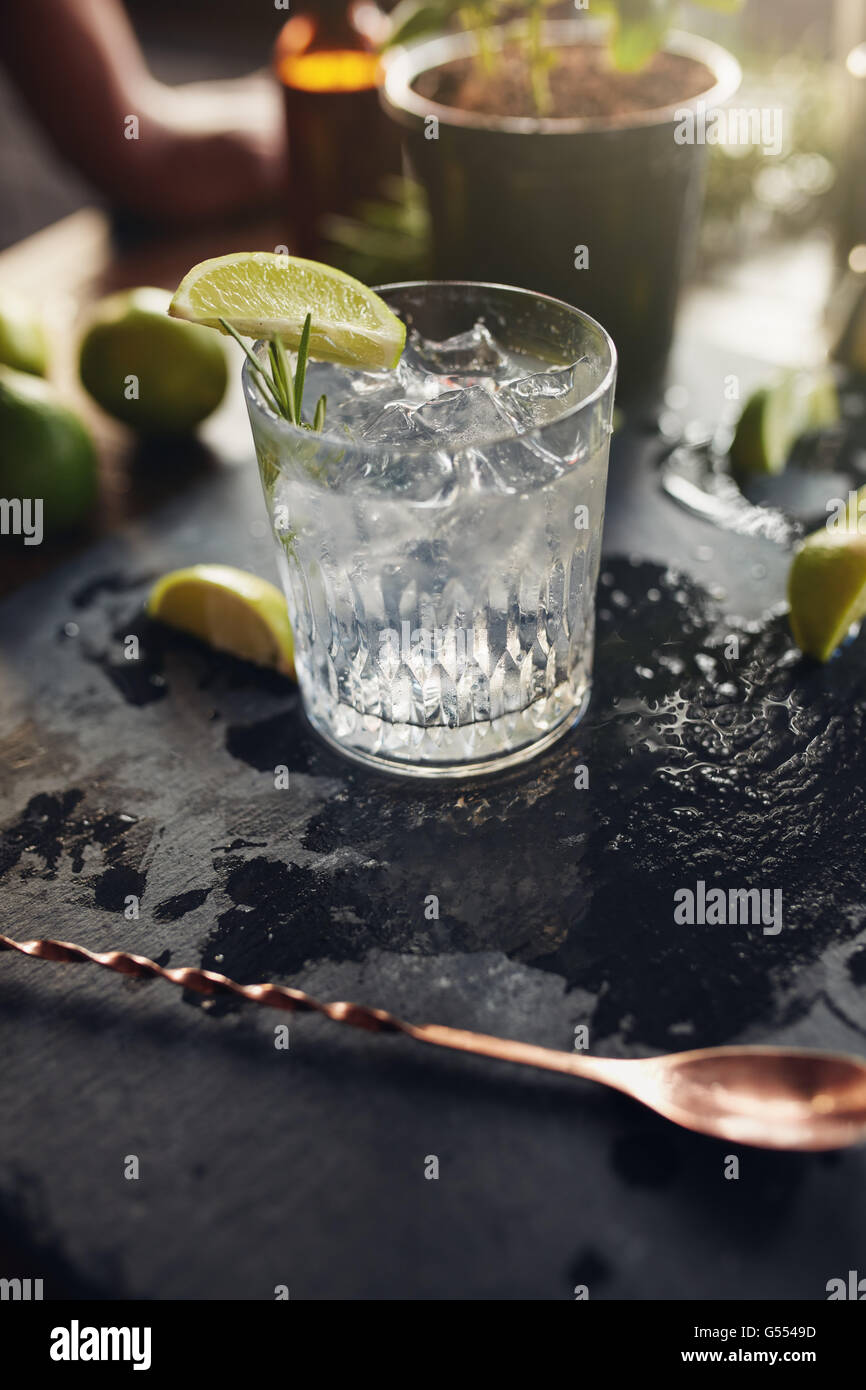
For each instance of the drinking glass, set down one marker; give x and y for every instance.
(439, 541)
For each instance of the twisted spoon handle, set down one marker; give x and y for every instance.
(296, 1001)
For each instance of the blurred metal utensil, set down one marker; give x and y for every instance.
(769, 1097)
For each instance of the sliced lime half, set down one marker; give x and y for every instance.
(827, 582)
(263, 295)
(229, 609)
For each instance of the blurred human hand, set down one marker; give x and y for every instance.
(171, 154)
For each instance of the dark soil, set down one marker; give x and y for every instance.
(582, 83)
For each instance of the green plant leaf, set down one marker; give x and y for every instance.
(268, 385)
(386, 239)
(283, 381)
(412, 21)
(639, 29)
(286, 395)
(301, 367)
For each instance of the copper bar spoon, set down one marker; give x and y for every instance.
(769, 1097)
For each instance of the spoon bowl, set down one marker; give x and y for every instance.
(775, 1098)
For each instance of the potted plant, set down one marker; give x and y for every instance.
(551, 158)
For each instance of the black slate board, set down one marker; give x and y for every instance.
(305, 1168)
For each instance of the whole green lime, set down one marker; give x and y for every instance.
(22, 335)
(155, 374)
(46, 452)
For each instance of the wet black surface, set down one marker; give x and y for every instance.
(713, 753)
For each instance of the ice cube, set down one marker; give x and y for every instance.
(481, 472)
(416, 383)
(352, 394)
(465, 417)
(472, 351)
(397, 423)
(514, 466)
(540, 398)
(384, 382)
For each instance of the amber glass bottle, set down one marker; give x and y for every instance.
(341, 144)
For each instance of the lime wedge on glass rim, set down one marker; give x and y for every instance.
(774, 417)
(827, 582)
(229, 609)
(261, 294)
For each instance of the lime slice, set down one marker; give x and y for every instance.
(774, 417)
(229, 609)
(827, 583)
(264, 295)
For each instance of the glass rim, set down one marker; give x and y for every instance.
(294, 433)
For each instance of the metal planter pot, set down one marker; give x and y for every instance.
(512, 198)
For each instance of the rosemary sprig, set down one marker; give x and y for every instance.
(301, 365)
(282, 376)
(284, 391)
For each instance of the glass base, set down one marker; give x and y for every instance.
(474, 750)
